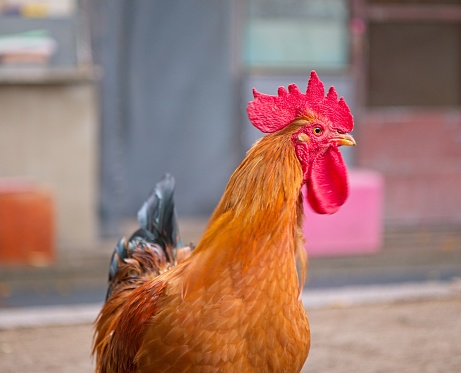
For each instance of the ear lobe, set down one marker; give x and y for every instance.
(327, 185)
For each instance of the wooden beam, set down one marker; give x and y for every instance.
(429, 13)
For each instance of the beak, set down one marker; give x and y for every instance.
(344, 139)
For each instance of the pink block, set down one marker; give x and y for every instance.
(356, 228)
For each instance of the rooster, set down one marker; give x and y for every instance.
(233, 303)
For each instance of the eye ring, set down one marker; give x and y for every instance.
(317, 130)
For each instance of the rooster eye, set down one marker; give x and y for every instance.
(318, 131)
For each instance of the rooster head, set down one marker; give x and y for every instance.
(317, 126)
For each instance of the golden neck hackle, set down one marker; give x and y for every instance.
(264, 189)
(258, 218)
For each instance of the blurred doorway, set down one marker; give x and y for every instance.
(408, 68)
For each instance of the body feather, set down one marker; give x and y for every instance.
(234, 303)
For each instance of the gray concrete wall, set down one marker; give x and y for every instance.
(49, 134)
(167, 102)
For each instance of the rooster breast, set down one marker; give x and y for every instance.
(245, 320)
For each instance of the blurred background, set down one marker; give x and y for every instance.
(100, 98)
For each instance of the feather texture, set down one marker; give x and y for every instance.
(233, 304)
(149, 252)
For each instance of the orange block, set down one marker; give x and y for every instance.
(26, 224)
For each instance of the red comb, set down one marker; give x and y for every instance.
(272, 113)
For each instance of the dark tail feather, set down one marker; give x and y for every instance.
(152, 245)
(158, 215)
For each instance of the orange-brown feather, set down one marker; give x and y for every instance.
(132, 278)
(233, 305)
(259, 203)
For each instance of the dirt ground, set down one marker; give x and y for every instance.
(417, 336)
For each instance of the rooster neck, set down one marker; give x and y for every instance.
(255, 228)
(266, 186)
(261, 206)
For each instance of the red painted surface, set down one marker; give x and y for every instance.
(419, 154)
(26, 223)
(356, 228)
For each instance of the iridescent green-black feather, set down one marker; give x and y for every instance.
(150, 249)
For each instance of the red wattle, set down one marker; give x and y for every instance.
(327, 185)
